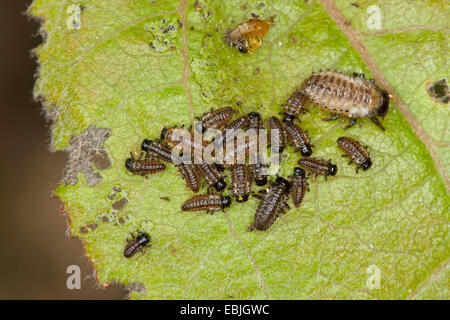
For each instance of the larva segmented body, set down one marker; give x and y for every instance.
(276, 124)
(212, 176)
(271, 205)
(355, 152)
(241, 180)
(208, 202)
(136, 244)
(143, 167)
(157, 149)
(238, 124)
(318, 166)
(352, 97)
(299, 186)
(259, 171)
(295, 105)
(183, 137)
(247, 36)
(298, 138)
(192, 175)
(255, 120)
(216, 118)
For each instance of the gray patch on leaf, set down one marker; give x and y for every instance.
(118, 205)
(86, 151)
(136, 286)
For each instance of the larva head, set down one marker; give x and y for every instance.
(299, 172)
(384, 103)
(306, 151)
(283, 182)
(288, 117)
(332, 169)
(163, 133)
(366, 164)
(220, 185)
(129, 163)
(261, 182)
(241, 48)
(146, 145)
(143, 238)
(226, 201)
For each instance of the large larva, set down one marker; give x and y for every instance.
(355, 152)
(271, 205)
(241, 180)
(247, 36)
(157, 149)
(208, 202)
(349, 96)
(143, 167)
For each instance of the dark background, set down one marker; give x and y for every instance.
(34, 248)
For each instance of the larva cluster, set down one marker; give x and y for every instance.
(340, 94)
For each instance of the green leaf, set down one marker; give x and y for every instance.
(119, 71)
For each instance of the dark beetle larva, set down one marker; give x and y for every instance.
(298, 138)
(157, 149)
(143, 167)
(136, 244)
(271, 205)
(295, 105)
(355, 152)
(173, 137)
(352, 97)
(212, 176)
(216, 118)
(247, 36)
(238, 124)
(255, 120)
(276, 124)
(299, 186)
(208, 202)
(259, 171)
(192, 175)
(318, 166)
(241, 180)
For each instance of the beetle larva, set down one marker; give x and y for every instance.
(318, 166)
(212, 176)
(192, 175)
(259, 171)
(276, 124)
(208, 202)
(136, 244)
(175, 136)
(298, 138)
(143, 167)
(157, 149)
(255, 120)
(216, 119)
(355, 152)
(247, 36)
(238, 124)
(349, 96)
(295, 105)
(241, 180)
(299, 186)
(271, 205)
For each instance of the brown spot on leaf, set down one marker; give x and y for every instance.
(86, 151)
(439, 91)
(118, 205)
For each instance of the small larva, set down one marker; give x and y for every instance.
(298, 138)
(143, 167)
(355, 152)
(157, 149)
(212, 176)
(295, 105)
(238, 124)
(136, 244)
(216, 119)
(299, 186)
(208, 202)
(241, 180)
(318, 166)
(191, 175)
(349, 96)
(271, 205)
(247, 36)
(276, 124)
(259, 171)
